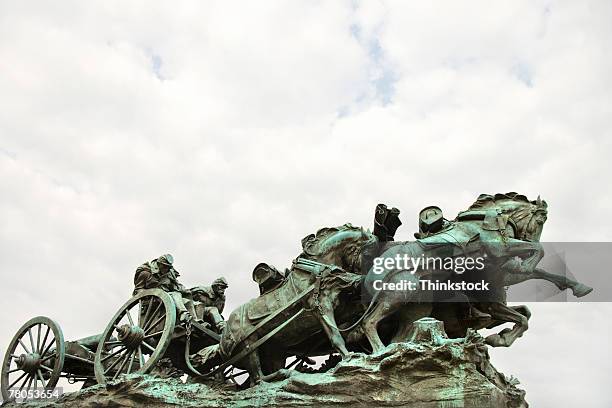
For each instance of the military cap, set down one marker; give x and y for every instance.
(220, 282)
(166, 259)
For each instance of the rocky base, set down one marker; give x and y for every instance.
(434, 372)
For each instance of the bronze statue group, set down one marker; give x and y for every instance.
(316, 307)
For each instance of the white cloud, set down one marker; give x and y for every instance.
(225, 132)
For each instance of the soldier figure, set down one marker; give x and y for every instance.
(160, 274)
(212, 298)
(431, 222)
(386, 222)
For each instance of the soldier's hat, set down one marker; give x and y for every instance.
(220, 282)
(166, 260)
(431, 219)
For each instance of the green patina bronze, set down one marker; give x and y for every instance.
(315, 308)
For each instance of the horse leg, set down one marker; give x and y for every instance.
(560, 281)
(531, 253)
(328, 321)
(410, 313)
(254, 368)
(272, 360)
(275, 366)
(506, 337)
(522, 309)
(381, 310)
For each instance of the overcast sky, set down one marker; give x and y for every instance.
(225, 132)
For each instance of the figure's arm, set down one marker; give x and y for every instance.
(183, 290)
(142, 281)
(221, 305)
(197, 289)
(198, 293)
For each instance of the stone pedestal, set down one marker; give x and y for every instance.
(431, 371)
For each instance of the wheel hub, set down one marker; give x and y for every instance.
(29, 362)
(130, 336)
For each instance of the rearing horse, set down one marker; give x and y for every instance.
(317, 308)
(503, 228)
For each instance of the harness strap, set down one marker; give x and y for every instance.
(317, 289)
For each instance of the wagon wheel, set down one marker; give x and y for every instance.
(36, 354)
(137, 337)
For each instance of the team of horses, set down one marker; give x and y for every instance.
(505, 228)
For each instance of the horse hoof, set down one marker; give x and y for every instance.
(495, 340)
(581, 290)
(347, 356)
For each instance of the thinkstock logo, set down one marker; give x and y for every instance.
(447, 269)
(487, 272)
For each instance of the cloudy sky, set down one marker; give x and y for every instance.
(225, 132)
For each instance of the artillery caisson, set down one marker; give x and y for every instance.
(142, 332)
(35, 357)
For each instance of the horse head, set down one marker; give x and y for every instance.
(341, 246)
(525, 218)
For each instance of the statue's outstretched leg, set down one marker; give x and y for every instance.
(506, 337)
(515, 274)
(380, 310)
(255, 373)
(328, 321)
(562, 282)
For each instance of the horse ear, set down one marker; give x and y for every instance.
(541, 203)
(364, 235)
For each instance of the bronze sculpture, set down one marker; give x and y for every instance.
(323, 304)
(160, 274)
(212, 302)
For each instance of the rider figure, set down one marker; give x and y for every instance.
(431, 222)
(160, 274)
(213, 299)
(386, 222)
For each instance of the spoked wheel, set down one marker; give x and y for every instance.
(34, 359)
(137, 337)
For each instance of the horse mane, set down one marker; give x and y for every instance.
(311, 244)
(487, 200)
(520, 214)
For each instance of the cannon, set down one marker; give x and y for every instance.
(142, 332)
